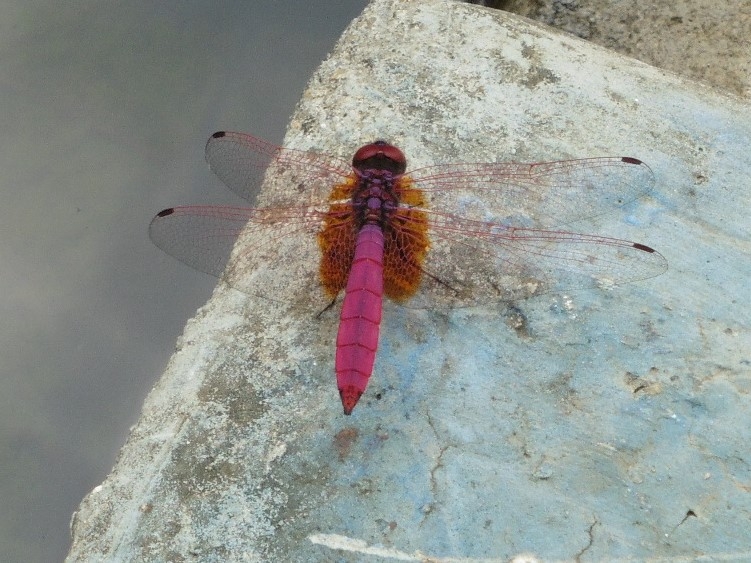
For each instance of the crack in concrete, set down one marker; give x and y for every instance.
(428, 508)
(590, 533)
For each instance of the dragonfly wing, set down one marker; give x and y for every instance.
(472, 263)
(252, 241)
(241, 162)
(544, 194)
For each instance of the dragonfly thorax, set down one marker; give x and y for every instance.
(374, 200)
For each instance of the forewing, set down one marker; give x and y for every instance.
(540, 195)
(241, 161)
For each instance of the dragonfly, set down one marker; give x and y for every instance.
(441, 236)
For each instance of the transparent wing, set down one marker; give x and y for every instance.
(241, 162)
(484, 222)
(244, 247)
(474, 262)
(544, 194)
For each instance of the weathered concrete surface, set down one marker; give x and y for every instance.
(705, 40)
(612, 424)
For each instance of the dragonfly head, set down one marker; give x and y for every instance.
(380, 155)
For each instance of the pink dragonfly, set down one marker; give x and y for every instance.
(442, 236)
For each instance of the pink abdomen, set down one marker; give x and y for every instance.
(357, 340)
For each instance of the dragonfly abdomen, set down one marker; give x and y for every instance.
(359, 326)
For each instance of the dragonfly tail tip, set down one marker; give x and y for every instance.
(350, 395)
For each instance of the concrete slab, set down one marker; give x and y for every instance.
(601, 424)
(705, 40)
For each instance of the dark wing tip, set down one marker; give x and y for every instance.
(643, 247)
(631, 160)
(219, 135)
(165, 212)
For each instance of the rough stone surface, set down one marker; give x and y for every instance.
(705, 40)
(596, 425)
